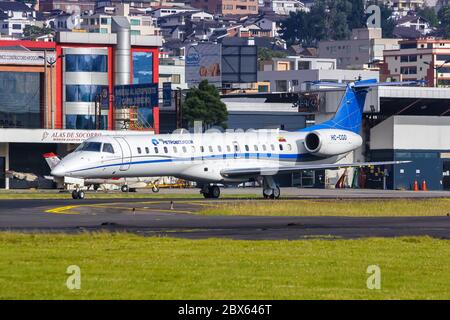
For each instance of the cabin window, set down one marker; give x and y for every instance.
(210, 149)
(156, 150)
(147, 151)
(256, 147)
(281, 147)
(139, 150)
(107, 147)
(289, 147)
(236, 148)
(175, 150)
(219, 148)
(272, 147)
(184, 149)
(193, 149)
(228, 148)
(247, 148)
(264, 147)
(165, 150)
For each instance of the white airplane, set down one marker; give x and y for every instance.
(216, 158)
(125, 184)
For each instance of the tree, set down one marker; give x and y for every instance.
(295, 29)
(444, 19)
(338, 14)
(265, 54)
(203, 104)
(430, 15)
(33, 32)
(357, 16)
(327, 19)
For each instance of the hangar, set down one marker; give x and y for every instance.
(402, 123)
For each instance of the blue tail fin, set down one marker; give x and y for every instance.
(349, 114)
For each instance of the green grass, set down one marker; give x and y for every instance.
(364, 208)
(124, 266)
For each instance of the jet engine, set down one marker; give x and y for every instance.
(329, 142)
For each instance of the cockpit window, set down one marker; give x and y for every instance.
(90, 146)
(107, 147)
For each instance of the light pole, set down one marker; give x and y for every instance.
(436, 70)
(49, 62)
(179, 107)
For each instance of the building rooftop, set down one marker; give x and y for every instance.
(14, 6)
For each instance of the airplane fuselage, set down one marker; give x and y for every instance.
(195, 157)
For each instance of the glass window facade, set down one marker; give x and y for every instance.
(86, 63)
(82, 92)
(20, 103)
(135, 22)
(146, 116)
(142, 67)
(85, 122)
(105, 21)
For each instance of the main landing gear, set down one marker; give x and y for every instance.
(77, 194)
(210, 192)
(270, 189)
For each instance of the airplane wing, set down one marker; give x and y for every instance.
(269, 171)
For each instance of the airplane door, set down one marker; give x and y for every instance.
(236, 149)
(126, 153)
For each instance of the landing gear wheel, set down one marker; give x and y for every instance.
(274, 193)
(75, 194)
(124, 188)
(95, 187)
(155, 189)
(206, 195)
(214, 192)
(81, 194)
(277, 193)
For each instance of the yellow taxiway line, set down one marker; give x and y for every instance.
(115, 205)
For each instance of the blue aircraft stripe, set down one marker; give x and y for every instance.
(265, 156)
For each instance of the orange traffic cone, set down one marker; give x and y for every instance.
(416, 186)
(424, 185)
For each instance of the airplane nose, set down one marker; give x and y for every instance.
(59, 171)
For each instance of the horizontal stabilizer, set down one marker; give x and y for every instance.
(367, 84)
